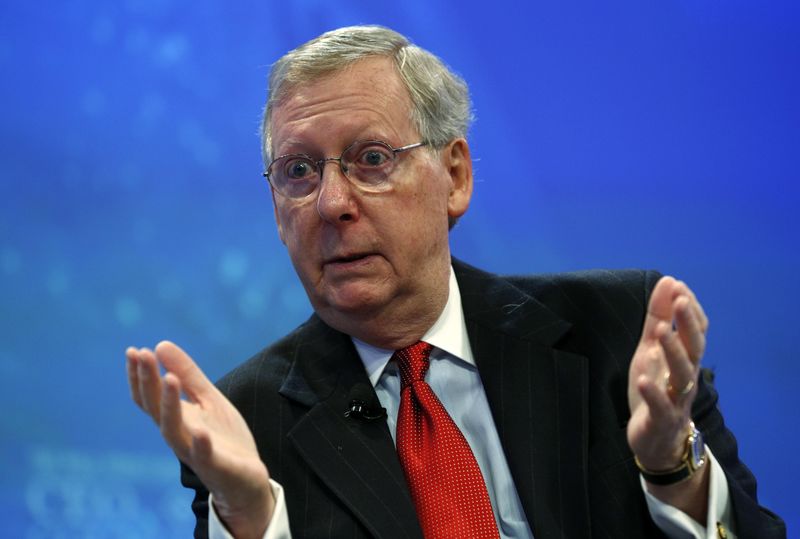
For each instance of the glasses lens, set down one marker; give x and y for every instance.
(369, 163)
(294, 176)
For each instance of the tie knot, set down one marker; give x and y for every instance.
(413, 362)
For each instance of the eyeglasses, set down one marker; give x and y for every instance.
(366, 163)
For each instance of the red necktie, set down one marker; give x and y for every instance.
(445, 481)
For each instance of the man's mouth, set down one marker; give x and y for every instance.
(348, 259)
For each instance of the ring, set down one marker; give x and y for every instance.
(671, 389)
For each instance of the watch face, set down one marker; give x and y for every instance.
(698, 450)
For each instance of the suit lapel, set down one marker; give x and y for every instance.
(355, 458)
(538, 396)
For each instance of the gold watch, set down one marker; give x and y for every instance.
(694, 458)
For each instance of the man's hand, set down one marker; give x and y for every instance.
(662, 384)
(206, 432)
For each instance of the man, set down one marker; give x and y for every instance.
(541, 389)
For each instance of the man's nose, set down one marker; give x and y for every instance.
(335, 201)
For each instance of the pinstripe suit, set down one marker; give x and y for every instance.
(553, 353)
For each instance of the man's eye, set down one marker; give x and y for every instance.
(373, 158)
(298, 168)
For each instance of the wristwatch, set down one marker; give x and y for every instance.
(694, 457)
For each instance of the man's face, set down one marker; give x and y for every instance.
(368, 256)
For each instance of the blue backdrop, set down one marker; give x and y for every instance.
(645, 134)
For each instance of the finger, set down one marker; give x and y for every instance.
(662, 410)
(193, 382)
(659, 307)
(173, 428)
(688, 326)
(682, 372)
(201, 447)
(657, 364)
(149, 384)
(699, 313)
(131, 368)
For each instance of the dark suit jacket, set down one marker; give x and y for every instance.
(553, 352)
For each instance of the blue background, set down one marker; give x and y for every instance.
(646, 134)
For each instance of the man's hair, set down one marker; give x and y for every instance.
(441, 108)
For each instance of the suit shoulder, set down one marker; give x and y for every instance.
(607, 301)
(626, 282)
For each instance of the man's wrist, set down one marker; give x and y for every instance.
(250, 521)
(277, 528)
(692, 459)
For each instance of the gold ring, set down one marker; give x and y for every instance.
(671, 389)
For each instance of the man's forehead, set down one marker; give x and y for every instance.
(375, 76)
(376, 63)
(368, 91)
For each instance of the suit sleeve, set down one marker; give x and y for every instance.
(200, 502)
(751, 519)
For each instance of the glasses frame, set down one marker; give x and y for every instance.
(320, 163)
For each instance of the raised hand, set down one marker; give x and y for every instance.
(662, 384)
(206, 432)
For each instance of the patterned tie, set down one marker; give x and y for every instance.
(442, 473)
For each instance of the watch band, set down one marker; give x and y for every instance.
(669, 477)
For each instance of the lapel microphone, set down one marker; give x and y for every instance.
(364, 404)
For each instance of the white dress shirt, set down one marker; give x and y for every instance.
(453, 377)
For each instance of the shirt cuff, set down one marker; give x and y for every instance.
(278, 527)
(678, 525)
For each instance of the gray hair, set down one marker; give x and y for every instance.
(441, 108)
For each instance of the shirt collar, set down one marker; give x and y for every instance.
(448, 334)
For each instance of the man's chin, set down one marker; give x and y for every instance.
(355, 299)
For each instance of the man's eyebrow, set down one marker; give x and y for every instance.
(374, 135)
(296, 146)
(293, 146)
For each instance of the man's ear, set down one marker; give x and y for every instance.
(456, 158)
(277, 217)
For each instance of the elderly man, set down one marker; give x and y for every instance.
(423, 396)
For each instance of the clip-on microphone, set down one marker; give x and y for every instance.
(364, 405)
